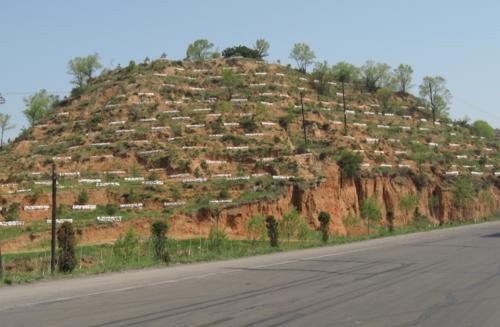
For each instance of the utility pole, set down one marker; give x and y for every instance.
(54, 214)
(343, 102)
(1, 264)
(303, 119)
(2, 99)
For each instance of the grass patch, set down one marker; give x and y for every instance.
(93, 259)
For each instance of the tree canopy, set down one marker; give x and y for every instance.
(345, 72)
(437, 94)
(242, 51)
(199, 50)
(38, 106)
(384, 95)
(375, 75)
(82, 68)
(303, 56)
(262, 48)
(483, 129)
(350, 163)
(322, 75)
(403, 77)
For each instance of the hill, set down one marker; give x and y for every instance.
(190, 142)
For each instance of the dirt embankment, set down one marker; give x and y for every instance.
(336, 195)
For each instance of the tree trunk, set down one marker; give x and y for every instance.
(433, 107)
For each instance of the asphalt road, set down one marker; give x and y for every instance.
(442, 278)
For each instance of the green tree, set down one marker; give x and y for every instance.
(5, 125)
(38, 106)
(350, 163)
(375, 75)
(480, 127)
(370, 211)
(159, 231)
(303, 56)
(231, 81)
(324, 219)
(256, 228)
(199, 50)
(322, 73)
(290, 224)
(242, 51)
(384, 95)
(66, 241)
(345, 73)
(438, 96)
(272, 231)
(403, 77)
(82, 68)
(262, 48)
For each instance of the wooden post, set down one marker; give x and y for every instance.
(53, 225)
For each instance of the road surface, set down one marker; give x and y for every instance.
(442, 278)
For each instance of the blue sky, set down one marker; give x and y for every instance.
(459, 40)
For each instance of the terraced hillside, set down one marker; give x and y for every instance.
(178, 140)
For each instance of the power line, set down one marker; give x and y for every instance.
(477, 108)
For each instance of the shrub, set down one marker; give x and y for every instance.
(350, 220)
(216, 237)
(419, 220)
(35, 195)
(421, 180)
(248, 124)
(110, 209)
(463, 191)
(256, 228)
(408, 202)
(83, 197)
(272, 231)
(350, 163)
(66, 240)
(126, 246)
(159, 230)
(13, 212)
(370, 211)
(484, 129)
(324, 219)
(242, 51)
(224, 194)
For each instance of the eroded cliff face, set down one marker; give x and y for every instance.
(338, 196)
